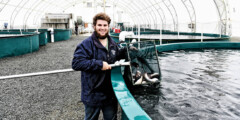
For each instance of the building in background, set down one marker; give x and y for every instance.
(56, 20)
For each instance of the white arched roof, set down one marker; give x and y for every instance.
(165, 14)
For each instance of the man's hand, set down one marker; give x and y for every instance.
(133, 48)
(106, 66)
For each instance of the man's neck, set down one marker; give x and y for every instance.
(103, 41)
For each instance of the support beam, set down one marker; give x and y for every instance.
(15, 12)
(222, 8)
(173, 13)
(191, 12)
(3, 4)
(161, 14)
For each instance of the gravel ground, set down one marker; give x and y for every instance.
(45, 97)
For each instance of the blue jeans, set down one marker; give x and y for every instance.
(109, 112)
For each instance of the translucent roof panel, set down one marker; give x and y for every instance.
(172, 15)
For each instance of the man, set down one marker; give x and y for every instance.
(76, 28)
(92, 57)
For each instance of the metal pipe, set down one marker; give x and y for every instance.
(35, 74)
(117, 63)
(160, 36)
(201, 32)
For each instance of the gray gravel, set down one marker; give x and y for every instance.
(45, 97)
(53, 56)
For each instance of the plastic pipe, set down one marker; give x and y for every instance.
(117, 63)
(35, 74)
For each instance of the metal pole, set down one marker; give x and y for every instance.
(138, 35)
(160, 36)
(36, 74)
(178, 30)
(20, 31)
(117, 63)
(201, 32)
(220, 30)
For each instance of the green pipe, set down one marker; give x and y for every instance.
(131, 110)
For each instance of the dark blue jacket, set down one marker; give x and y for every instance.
(96, 87)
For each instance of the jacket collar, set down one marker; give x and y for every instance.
(98, 44)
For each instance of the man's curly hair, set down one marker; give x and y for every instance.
(101, 16)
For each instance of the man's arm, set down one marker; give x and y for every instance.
(83, 59)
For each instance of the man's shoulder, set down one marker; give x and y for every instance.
(87, 41)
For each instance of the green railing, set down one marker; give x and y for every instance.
(215, 37)
(198, 45)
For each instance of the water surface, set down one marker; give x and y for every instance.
(196, 85)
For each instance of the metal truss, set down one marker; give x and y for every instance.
(191, 12)
(3, 3)
(222, 8)
(137, 13)
(15, 12)
(29, 12)
(154, 11)
(149, 7)
(161, 14)
(141, 12)
(173, 13)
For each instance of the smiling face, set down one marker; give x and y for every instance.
(101, 28)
